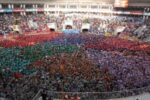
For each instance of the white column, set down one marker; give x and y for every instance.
(148, 11)
(0, 6)
(21, 13)
(24, 13)
(21, 6)
(144, 14)
(33, 6)
(24, 6)
(9, 6)
(12, 6)
(44, 6)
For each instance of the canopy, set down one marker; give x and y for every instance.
(85, 26)
(68, 23)
(52, 26)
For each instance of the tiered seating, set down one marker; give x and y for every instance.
(16, 59)
(75, 63)
(116, 43)
(28, 40)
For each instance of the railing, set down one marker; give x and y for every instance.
(97, 95)
(37, 95)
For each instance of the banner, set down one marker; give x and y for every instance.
(85, 26)
(129, 12)
(31, 10)
(126, 12)
(121, 3)
(68, 23)
(18, 10)
(8, 10)
(136, 13)
(40, 9)
(32, 24)
(1, 10)
(140, 30)
(52, 26)
(119, 29)
(16, 28)
(146, 14)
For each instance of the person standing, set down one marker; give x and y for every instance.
(44, 95)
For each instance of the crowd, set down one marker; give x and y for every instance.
(66, 64)
(100, 26)
(5, 24)
(128, 70)
(28, 40)
(17, 79)
(75, 62)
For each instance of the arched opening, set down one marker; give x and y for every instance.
(85, 30)
(52, 30)
(68, 27)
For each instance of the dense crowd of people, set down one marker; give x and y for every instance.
(5, 24)
(75, 63)
(132, 26)
(81, 70)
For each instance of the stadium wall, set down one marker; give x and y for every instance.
(57, 6)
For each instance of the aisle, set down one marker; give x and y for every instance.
(145, 96)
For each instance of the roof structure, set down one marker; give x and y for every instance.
(131, 2)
